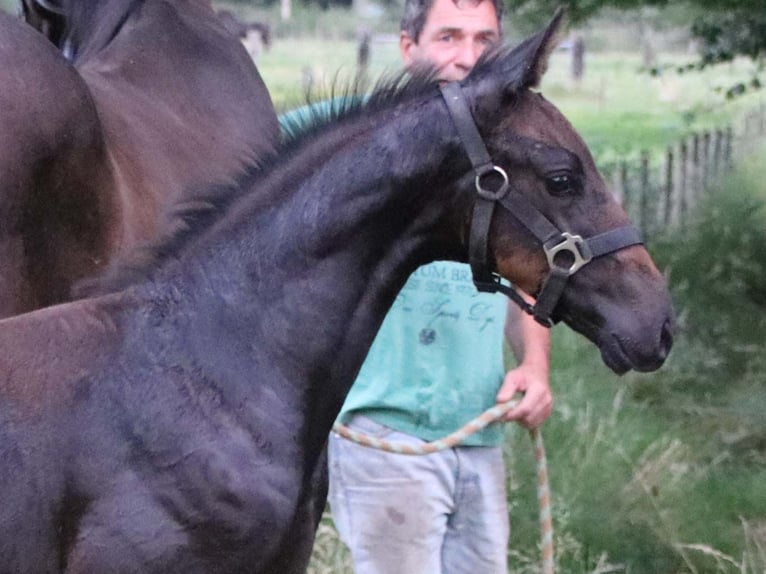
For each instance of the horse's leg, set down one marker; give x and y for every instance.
(128, 531)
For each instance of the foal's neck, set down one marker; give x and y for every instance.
(312, 275)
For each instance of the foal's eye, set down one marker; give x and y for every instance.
(561, 184)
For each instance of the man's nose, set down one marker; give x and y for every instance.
(468, 54)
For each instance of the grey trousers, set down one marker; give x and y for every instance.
(443, 513)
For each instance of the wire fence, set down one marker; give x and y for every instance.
(659, 191)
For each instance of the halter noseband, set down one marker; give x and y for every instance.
(555, 242)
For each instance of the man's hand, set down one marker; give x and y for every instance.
(537, 403)
(531, 344)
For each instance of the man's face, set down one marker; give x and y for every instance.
(453, 37)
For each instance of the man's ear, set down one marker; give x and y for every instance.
(407, 48)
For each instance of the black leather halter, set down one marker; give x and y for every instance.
(52, 6)
(576, 251)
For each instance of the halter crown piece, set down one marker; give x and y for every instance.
(554, 242)
(53, 6)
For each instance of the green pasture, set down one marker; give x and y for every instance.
(617, 108)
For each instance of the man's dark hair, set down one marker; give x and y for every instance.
(416, 11)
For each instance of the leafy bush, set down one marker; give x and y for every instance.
(717, 268)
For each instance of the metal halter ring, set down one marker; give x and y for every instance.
(576, 245)
(492, 195)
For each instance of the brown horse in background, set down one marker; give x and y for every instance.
(158, 98)
(256, 36)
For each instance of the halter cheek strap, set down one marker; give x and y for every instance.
(554, 242)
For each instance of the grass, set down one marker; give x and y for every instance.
(619, 109)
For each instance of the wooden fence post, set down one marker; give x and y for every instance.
(623, 175)
(285, 9)
(696, 178)
(578, 59)
(363, 52)
(665, 216)
(617, 189)
(643, 200)
(682, 181)
(705, 161)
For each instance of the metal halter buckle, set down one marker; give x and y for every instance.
(575, 245)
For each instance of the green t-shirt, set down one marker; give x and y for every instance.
(437, 361)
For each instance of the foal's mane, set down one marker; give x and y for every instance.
(348, 102)
(202, 208)
(192, 217)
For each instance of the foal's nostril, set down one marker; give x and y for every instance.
(666, 339)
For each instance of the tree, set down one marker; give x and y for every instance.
(726, 28)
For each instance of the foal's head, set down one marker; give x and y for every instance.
(619, 300)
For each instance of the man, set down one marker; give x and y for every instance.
(437, 363)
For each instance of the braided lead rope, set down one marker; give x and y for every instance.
(487, 417)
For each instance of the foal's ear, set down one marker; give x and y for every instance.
(527, 62)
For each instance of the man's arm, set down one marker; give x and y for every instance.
(531, 344)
